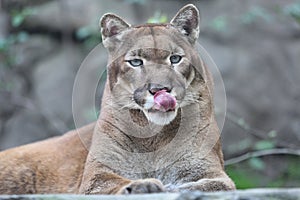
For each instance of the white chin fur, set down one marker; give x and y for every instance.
(161, 118)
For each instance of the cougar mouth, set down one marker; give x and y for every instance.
(159, 103)
(161, 108)
(163, 101)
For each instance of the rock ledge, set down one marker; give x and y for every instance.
(250, 194)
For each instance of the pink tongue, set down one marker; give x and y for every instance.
(164, 101)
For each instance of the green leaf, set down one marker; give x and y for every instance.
(276, 183)
(293, 168)
(264, 144)
(242, 123)
(219, 23)
(272, 134)
(22, 36)
(18, 16)
(257, 163)
(163, 19)
(83, 32)
(3, 44)
(240, 146)
(158, 18)
(254, 14)
(17, 20)
(293, 10)
(242, 177)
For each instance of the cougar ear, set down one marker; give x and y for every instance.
(187, 21)
(111, 25)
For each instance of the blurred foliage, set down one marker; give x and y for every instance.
(293, 10)
(254, 173)
(240, 146)
(257, 164)
(222, 23)
(89, 35)
(158, 17)
(19, 16)
(254, 14)
(219, 23)
(264, 144)
(267, 141)
(280, 171)
(6, 85)
(293, 167)
(7, 58)
(241, 178)
(142, 2)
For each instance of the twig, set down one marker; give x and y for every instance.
(257, 133)
(266, 152)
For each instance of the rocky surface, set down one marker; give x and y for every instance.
(254, 194)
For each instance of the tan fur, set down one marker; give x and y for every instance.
(129, 150)
(50, 166)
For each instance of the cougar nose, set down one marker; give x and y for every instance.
(153, 88)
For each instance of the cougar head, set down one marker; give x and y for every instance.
(152, 67)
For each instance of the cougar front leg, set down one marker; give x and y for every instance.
(222, 183)
(97, 179)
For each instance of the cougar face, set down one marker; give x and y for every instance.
(150, 67)
(160, 88)
(154, 73)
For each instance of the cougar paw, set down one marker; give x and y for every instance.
(142, 186)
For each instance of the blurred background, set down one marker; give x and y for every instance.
(255, 44)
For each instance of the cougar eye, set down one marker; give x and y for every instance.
(175, 59)
(135, 62)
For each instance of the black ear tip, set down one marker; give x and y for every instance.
(187, 21)
(190, 7)
(111, 25)
(104, 18)
(192, 10)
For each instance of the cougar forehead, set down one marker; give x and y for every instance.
(157, 37)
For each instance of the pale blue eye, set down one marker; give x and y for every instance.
(175, 59)
(135, 62)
